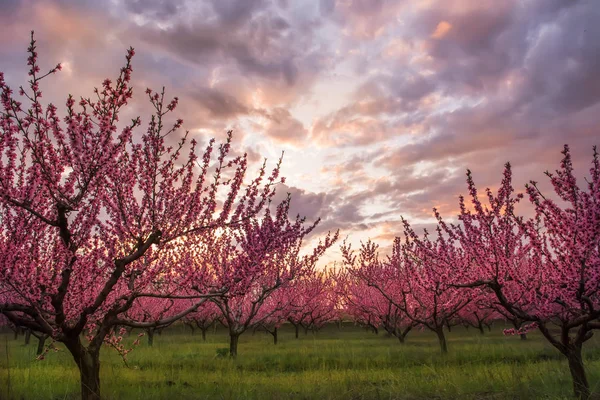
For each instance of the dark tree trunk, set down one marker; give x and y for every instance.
(481, 329)
(442, 339)
(448, 326)
(150, 333)
(296, 327)
(88, 363)
(89, 370)
(517, 326)
(192, 328)
(489, 326)
(27, 336)
(41, 344)
(233, 344)
(402, 334)
(204, 334)
(274, 333)
(16, 333)
(581, 387)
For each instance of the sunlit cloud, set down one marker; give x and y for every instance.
(441, 30)
(380, 106)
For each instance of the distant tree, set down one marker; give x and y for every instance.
(374, 291)
(479, 313)
(269, 247)
(415, 279)
(207, 315)
(313, 301)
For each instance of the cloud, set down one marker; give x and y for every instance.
(362, 19)
(430, 88)
(441, 30)
(217, 103)
(282, 127)
(154, 9)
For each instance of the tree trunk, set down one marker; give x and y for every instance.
(27, 336)
(489, 326)
(296, 326)
(481, 329)
(41, 343)
(517, 326)
(448, 326)
(150, 337)
(274, 336)
(16, 333)
(581, 387)
(88, 363)
(442, 339)
(204, 334)
(233, 344)
(402, 334)
(89, 369)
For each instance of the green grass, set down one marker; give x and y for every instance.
(333, 364)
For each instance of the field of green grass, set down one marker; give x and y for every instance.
(346, 363)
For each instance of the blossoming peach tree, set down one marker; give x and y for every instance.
(95, 218)
(270, 247)
(544, 271)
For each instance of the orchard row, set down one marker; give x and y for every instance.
(104, 229)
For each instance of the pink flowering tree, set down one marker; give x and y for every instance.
(376, 290)
(416, 279)
(544, 271)
(515, 321)
(368, 307)
(359, 299)
(254, 260)
(150, 309)
(207, 315)
(274, 311)
(93, 216)
(480, 312)
(313, 302)
(431, 300)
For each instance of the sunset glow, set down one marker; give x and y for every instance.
(380, 106)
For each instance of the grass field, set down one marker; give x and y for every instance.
(332, 364)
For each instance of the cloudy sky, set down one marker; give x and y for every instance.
(379, 105)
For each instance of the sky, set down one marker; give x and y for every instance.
(380, 106)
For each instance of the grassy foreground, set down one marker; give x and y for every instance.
(333, 364)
